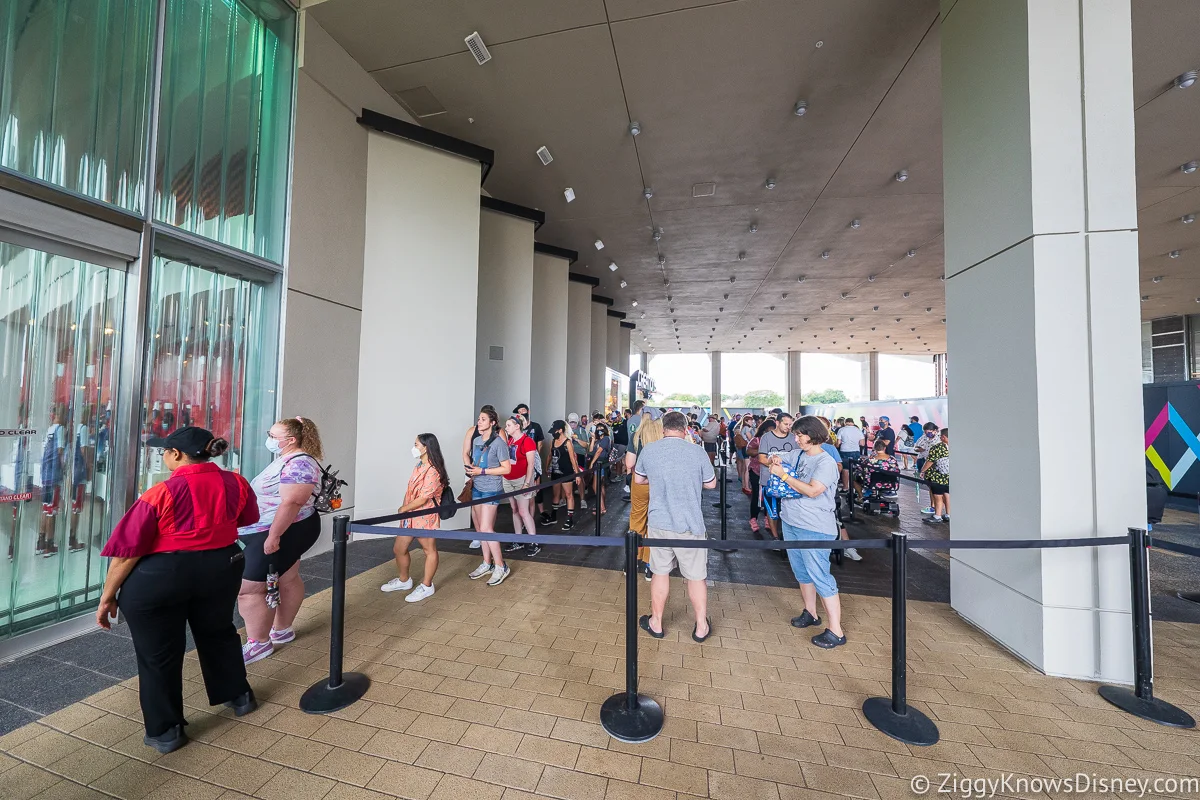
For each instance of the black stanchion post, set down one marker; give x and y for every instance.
(599, 496)
(894, 717)
(724, 506)
(629, 716)
(1140, 701)
(341, 689)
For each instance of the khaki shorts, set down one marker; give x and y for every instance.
(514, 486)
(692, 561)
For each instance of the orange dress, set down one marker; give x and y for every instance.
(424, 482)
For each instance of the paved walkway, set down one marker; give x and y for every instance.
(493, 693)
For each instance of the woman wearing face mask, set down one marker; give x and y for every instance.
(424, 492)
(562, 465)
(287, 527)
(489, 462)
(598, 452)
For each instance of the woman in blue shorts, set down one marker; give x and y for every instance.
(810, 517)
(490, 461)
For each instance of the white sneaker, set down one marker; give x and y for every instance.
(474, 545)
(396, 585)
(625, 490)
(420, 593)
(583, 504)
(480, 571)
(852, 554)
(499, 575)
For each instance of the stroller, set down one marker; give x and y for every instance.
(880, 490)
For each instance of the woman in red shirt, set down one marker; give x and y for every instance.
(424, 492)
(176, 564)
(523, 453)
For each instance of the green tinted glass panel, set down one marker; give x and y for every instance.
(74, 78)
(225, 122)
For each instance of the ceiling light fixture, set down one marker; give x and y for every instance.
(478, 48)
(634, 128)
(599, 245)
(911, 253)
(612, 266)
(1145, 297)
(1189, 167)
(647, 193)
(1174, 254)
(799, 279)
(874, 308)
(1156, 279)
(623, 284)
(732, 278)
(662, 259)
(569, 193)
(902, 176)
(770, 184)
(1186, 80)
(801, 108)
(942, 278)
(845, 295)
(754, 227)
(784, 295)
(906, 294)
(928, 310)
(856, 223)
(543, 154)
(826, 254)
(741, 256)
(657, 235)
(870, 279)
(634, 304)
(1188, 219)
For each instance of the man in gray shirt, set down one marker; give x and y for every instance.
(776, 443)
(677, 472)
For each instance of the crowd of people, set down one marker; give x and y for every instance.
(206, 540)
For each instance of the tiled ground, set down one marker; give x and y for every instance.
(493, 694)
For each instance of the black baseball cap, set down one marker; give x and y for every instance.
(189, 441)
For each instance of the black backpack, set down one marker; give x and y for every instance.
(328, 494)
(446, 509)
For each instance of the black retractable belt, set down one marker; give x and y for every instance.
(1140, 701)
(340, 689)
(629, 716)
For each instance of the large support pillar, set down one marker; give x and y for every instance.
(1042, 289)
(714, 405)
(504, 339)
(623, 366)
(612, 349)
(548, 377)
(579, 343)
(873, 375)
(599, 353)
(794, 396)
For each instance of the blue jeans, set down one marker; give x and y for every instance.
(811, 566)
(478, 495)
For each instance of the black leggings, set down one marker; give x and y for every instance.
(754, 508)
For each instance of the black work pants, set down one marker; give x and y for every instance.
(162, 594)
(754, 509)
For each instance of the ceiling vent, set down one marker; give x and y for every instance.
(704, 189)
(478, 48)
(495, 353)
(420, 102)
(544, 155)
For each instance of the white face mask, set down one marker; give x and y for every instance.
(416, 453)
(273, 445)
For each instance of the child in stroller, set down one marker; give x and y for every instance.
(878, 479)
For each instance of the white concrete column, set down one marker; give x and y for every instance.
(1042, 289)
(623, 348)
(873, 375)
(579, 345)
(504, 338)
(612, 348)
(418, 323)
(714, 405)
(599, 350)
(548, 372)
(793, 382)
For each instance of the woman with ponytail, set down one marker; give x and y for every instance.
(176, 564)
(288, 526)
(424, 493)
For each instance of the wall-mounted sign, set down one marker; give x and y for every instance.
(18, 431)
(16, 498)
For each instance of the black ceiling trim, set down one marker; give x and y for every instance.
(608, 301)
(575, 276)
(430, 138)
(629, 325)
(561, 252)
(538, 218)
(617, 314)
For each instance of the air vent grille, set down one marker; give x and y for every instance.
(478, 48)
(544, 154)
(495, 353)
(704, 189)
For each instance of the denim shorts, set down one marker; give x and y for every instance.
(811, 566)
(478, 495)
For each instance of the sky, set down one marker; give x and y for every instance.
(691, 373)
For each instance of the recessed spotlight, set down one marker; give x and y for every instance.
(799, 279)
(732, 278)
(911, 253)
(1174, 254)
(801, 108)
(662, 259)
(831, 330)
(754, 227)
(1157, 279)
(804, 319)
(741, 256)
(852, 319)
(824, 307)
(770, 308)
(657, 235)
(770, 184)
(1189, 167)
(1186, 80)
(726, 296)
(1188, 219)
(634, 128)
(912, 330)
(902, 176)
(906, 294)
(634, 304)
(826, 254)
(668, 298)
(942, 278)
(874, 308)
(870, 279)
(647, 193)
(943, 320)
(623, 284)
(569, 193)
(612, 266)
(928, 310)
(845, 295)
(856, 223)
(897, 319)
(784, 295)
(819, 44)
(599, 245)
(720, 308)
(1145, 297)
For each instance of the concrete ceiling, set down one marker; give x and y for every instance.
(713, 84)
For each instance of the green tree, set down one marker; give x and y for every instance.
(763, 398)
(825, 396)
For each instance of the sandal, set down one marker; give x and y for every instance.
(702, 639)
(644, 624)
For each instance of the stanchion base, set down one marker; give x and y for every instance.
(912, 728)
(634, 725)
(1191, 597)
(718, 505)
(321, 698)
(1155, 710)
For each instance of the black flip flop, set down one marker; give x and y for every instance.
(704, 638)
(644, 624)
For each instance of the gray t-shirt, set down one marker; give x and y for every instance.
(770, 442)
(497, 453)
(812, 513)
(677, 470)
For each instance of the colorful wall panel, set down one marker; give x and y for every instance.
(1172, 418)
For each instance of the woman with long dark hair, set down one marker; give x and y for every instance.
(489, 462)
(755, 484)
(424, 492)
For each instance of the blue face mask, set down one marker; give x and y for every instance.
(273, 445)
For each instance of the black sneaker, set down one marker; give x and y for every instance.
(828, 640)
(805, 620)
(168, 742)
(569, 524)
(547, 519)
(243, 704)
(532, 550)
(513, 547)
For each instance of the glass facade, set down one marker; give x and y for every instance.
(59, 329)
(224, 124)
(74, 94)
